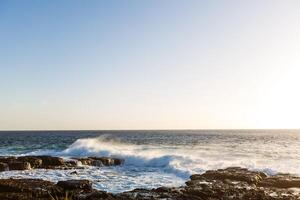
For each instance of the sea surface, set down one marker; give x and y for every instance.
(155, 158)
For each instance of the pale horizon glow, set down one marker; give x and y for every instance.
(98, 65)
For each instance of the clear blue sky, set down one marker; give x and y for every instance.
(149, 64)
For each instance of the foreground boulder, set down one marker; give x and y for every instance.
(99, 195)
(23, 189)
(240, 183)
(76, 184)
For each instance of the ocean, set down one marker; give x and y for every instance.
(155, 158)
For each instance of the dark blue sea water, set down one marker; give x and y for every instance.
(156, 158)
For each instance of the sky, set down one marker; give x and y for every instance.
(157, 64)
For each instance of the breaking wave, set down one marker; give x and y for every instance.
(179, 160)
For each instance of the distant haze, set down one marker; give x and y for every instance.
(149, 64)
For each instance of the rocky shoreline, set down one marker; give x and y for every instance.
(50, 162)
(231, 183)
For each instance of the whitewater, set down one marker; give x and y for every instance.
(155, 158)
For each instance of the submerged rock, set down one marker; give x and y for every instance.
(74, 173)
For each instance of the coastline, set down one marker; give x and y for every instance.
(230, 183)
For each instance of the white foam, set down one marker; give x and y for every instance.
(184, 160)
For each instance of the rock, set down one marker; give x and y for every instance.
(5, 159)
(75, 184)
(3, 167)
(71, 163)
(140, 194)
(26, 189)
(85, 161)
(97, 163)
(118, 161)
(233, 174)
(74, 173)
(100, 161)
(281, 181)
(50, 161)
(16, 165)
(238, 183)
(107, 161)
(100, 195)
(34, 161)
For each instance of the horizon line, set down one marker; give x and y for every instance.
(196, 129)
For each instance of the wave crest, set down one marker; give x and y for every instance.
(134, 155)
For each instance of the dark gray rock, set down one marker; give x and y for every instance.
(75, 184)
(3, 167)
(16, 165)
(281, 181)
(107, 161)
(5, 159)
(100, 161)
(100, 195)
(27, 189)
(34, 161)
(232, 174)
(85, 161)
(50, 161)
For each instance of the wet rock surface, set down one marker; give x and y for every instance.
(76, 184)
(227, 184)
(234, 174)
(281, 181)
(3, 167)
(21, 189)
(100, 161)
(17, 165)
(50, 162)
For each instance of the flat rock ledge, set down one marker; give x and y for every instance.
(226, 184)
(50, 162)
